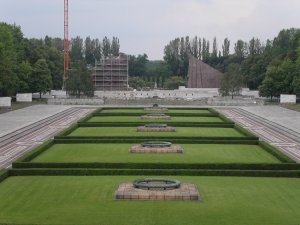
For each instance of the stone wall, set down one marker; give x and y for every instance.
(288, 99)
(25, 97)
(182, 93)
(73, 101)
(5, 102)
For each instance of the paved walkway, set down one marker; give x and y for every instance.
(17, 119)
(285, 138)
(18, 142)
(276, 114)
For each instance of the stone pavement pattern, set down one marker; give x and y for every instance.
(282, 116)
(18, 146)
(17, 119)
(282, 137)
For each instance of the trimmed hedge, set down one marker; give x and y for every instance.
(167, 113)
(169, 108)
(68, 130)
(134, 124)
(132, 141)
(275, 152)
(3, 175)
(244, 131)
(153, 172)
(173, 166)
(36, 151)
(89, 116)
(120, 138)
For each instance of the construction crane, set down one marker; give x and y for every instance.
(66, 43)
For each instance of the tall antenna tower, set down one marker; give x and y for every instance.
(66, 42)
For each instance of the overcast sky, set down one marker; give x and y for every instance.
(146, 26)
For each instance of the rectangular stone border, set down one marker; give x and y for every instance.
(186, 192)
(155, 129)
(140, 149)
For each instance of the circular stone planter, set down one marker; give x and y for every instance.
(156, 184)
(156, 144)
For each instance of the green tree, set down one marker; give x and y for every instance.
(136, 83)
(80, 80)
(137, 65)
(226, 48)
(8, 62)
(41, 78)
(232, 81)
(24, 74)
(115, 46)
(106, 47)
(174, 82)
(214, 53)
(89, 51)
(76, 52)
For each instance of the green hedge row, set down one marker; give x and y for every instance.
(3, 175)
(170, 108)
(173, 166)
(167, 113)
(154, 138)
(131, 141)
(243, 131)
(68, 130)
(275, 152)
(89, 116)
(36, 151)
(134, 124)
(153, 172)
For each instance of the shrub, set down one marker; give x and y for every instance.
(3, 175)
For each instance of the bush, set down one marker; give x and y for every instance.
(134, 124)
(167, 113)
(153, 172)
(68, 130)
(3, 175)
(59, 140)
(173, 166)
(121, 138)
(36, 151)
(244, 131)
(275, 152)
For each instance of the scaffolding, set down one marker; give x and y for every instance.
(111, 74)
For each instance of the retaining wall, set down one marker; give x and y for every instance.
(24, 97)
(5, 102)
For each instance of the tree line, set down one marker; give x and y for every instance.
(30, 65)
(272, 67)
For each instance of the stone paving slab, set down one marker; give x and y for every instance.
(17, 119)
(282, 116)
(17, 147)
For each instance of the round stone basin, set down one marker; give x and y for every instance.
(156, 183)
(156, 144)
(156, 125)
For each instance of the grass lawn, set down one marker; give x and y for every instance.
(89, 200)
(193, 153)
(138, 119)
(144, 111)
(292, 107)
(180, 132)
